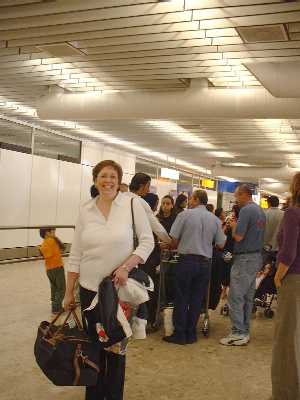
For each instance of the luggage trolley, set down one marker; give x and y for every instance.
(166, 294)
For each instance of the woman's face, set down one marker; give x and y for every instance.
(145, 189)
(107, 182)
(166, 206)
(184, 204)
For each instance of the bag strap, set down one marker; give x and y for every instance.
(135, 237)
(72, 312)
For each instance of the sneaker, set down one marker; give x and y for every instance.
(235, 339)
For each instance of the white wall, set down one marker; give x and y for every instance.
(42, 191)
(15, 181)
(212, 197)
(163, 187)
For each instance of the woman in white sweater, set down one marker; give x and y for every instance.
(103, 245)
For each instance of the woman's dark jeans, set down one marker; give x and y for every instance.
(110, 385)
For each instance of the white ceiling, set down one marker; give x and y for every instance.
(151, 45)
(280, 78)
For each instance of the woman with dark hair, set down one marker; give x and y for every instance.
(152, 199)
(140, 184)
(94, 191)
(286, 344)
(139, 187)
(219, 213)
(228, 252)
(210, 207)
(180, 203)
(166, 215)
(103, 245)
(150, 267)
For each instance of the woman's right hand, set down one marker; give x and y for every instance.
(69, 301)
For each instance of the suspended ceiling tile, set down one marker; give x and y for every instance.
(6, 3)
(267, 19)
(147, 46)
(183, 16)
(107, 33)
(50, 7)
(92, 15)
(228, 12)
(220, 41)
(281, 79)
(214, 33)
(202, 4)
(260, 46)
(124, 40)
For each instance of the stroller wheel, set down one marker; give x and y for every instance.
(269, 313)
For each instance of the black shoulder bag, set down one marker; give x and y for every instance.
(135, 237)
(66, 355)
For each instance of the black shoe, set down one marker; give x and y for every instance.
(191, 340)
(174, 339)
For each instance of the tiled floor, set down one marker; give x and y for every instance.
(155, 370)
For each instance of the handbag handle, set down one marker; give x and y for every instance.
(71, 312)
(135, 237)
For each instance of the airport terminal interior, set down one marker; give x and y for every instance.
(198, 102)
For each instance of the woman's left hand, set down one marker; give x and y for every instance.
(120, 276)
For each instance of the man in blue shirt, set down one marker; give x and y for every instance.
(194, 231)
(248, 233)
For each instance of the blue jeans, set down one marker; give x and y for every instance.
(192, 279)
(242, 290)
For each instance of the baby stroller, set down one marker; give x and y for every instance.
(265, 289)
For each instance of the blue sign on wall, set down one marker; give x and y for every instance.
(229, 187)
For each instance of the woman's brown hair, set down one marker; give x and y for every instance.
(108, 163)
(295, 189)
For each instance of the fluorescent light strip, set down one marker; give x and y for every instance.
(221, 154)
(227, 178)
(270, 180)
(173, 129)
(128, 145)
(238, 164)
(20, 108)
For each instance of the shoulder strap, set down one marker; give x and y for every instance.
(135, 238)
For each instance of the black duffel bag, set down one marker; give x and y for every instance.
(66, 355)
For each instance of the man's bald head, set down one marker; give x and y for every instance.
(243, 195)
